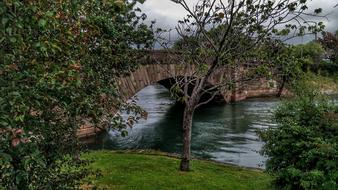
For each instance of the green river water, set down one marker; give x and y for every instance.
(222, 132)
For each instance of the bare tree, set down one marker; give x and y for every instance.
(226, 33)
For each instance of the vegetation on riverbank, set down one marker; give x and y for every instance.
(302, 150)
(326, 84)
(150, 170)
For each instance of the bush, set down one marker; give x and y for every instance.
(302, 150)
(58, 67)
(24, 165)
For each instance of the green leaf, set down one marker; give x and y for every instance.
(4, 20)
(3, 123)
(6, 157)
(49, 13)
(42, 23)
(12, 39)
(318, 11)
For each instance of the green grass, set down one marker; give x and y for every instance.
(328, 84)
(130, 170)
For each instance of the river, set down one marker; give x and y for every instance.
(223, 132)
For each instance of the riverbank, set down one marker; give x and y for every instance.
(326, 84)
(154, 170)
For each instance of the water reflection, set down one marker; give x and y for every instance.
(228, 132)
(225, 133)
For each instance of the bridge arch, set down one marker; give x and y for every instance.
(164, 75)
(147, 75)
(163, 66)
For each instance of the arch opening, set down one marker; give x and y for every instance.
(170, 82)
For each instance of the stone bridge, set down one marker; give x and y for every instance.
(162, 67)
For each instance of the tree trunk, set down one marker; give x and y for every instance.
(187, 125)
(281, 88)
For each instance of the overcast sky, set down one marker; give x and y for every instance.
(166, 13)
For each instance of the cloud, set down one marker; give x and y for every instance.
(167, 13)
(331, 20)
(328, 9)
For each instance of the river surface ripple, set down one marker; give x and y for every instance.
(225, 133)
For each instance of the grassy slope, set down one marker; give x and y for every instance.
(325, 84)
(140, 171)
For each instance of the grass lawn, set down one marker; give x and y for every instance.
(130, 170)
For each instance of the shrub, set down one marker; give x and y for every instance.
(59, 61)
(302, 150)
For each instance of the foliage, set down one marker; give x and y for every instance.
(310, 53)
(302, 150)
(291, 59)
(326, 84)
(330, 43)
(59, 62)
(154, 170)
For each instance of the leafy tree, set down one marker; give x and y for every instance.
(302, 150)
(288, 65)
(240, 25)
(59, 61)
(311, 52)
(292, 60)
(330, 43)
